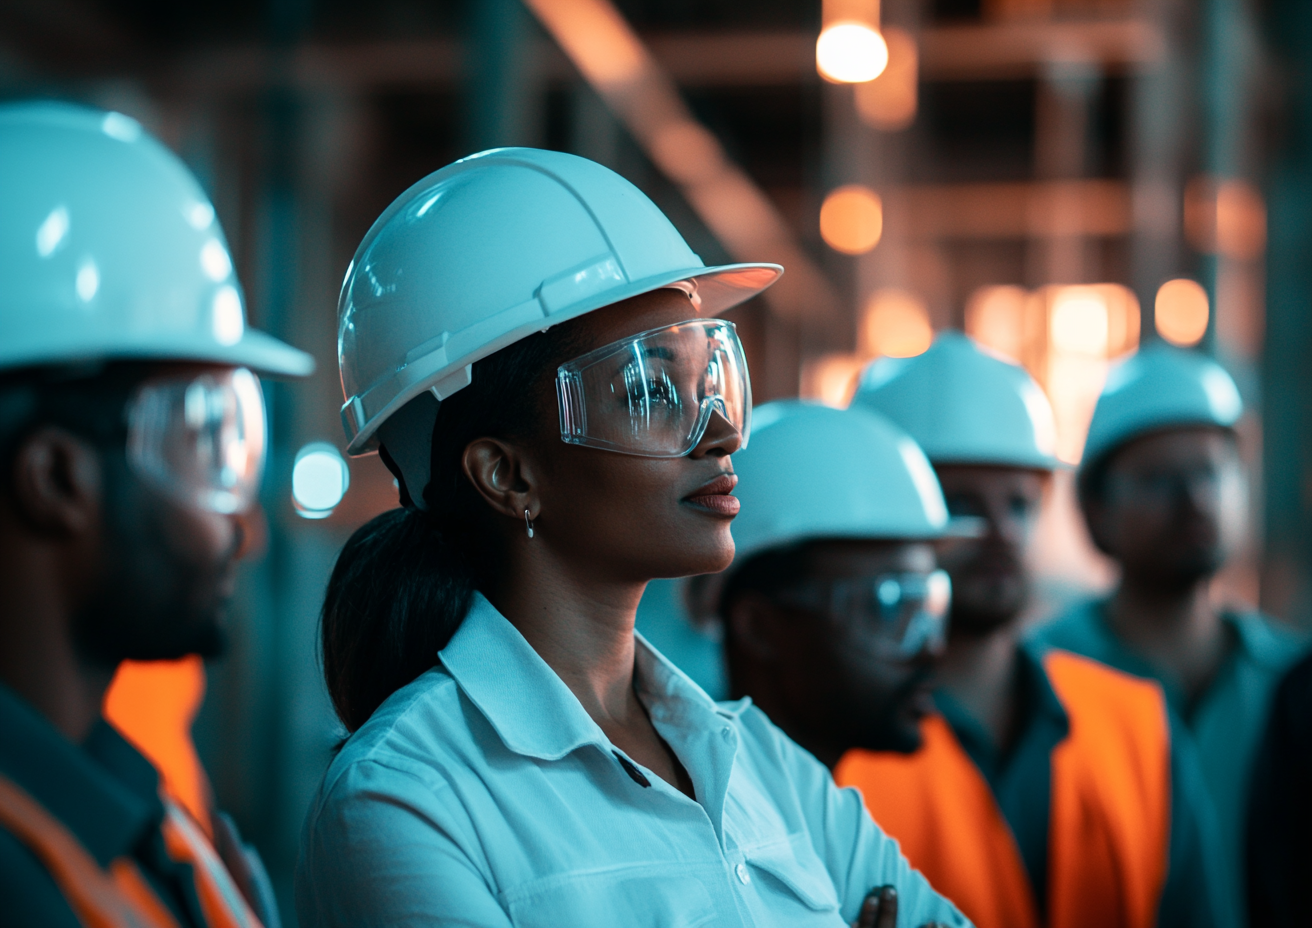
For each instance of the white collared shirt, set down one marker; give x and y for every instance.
(482, 794)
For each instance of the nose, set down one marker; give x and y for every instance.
(721, 437)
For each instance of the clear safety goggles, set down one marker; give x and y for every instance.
(906, 611)
(201, 439)
(653, 394)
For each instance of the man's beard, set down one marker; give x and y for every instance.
(151, 603)
(889, 728)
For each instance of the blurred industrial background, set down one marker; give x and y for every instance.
(1061, 178)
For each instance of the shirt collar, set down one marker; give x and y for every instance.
(1039, 706)
(523, 699)
(1257, 640)
(530, 707)
(103, 791)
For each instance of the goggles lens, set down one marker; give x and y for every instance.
(201, 439)
(906, 612)
(653, 394)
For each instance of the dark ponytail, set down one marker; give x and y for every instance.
(404, 581)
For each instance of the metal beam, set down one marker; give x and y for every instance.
(615, 62)
(728, 59)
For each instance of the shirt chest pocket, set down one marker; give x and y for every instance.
(794, 874)
(634, 896)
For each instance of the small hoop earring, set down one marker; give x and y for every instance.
(528, 524)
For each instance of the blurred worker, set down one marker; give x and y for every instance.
(132, 436)
(833, 609)
(1047, 791)
(1163, 493)
(1280, 807)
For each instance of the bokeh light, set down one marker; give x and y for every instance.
(1225, 216)
(889, 101)
(850, 53)
(1080, 323)
(895, 324)
(831, 378)
(320, 478)
(852, 219)
(995, 317)
(1181, 311)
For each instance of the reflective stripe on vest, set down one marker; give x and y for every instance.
(1109, 814)
(120, 897)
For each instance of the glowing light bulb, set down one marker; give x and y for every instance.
(850, 52)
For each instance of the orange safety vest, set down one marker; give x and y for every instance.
(153, 705)
(1108, 820)
(120, 897)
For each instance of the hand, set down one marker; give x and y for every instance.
(879, 910)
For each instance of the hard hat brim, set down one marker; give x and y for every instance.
(256, 350)
(716, 289)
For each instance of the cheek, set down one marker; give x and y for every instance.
(200, 538)
(615, 505)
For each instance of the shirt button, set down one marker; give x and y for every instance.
(726, 733)
(743, 876)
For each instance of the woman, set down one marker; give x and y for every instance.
(519, 756)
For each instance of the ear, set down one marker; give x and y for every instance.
(503, 475)
(57, 483)
(753, 623)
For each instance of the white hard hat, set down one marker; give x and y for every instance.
(813, 472)
(109, 249)
(1159, 387)
(964, 405)
(490, 249)
(816, 472)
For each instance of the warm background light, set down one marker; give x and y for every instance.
(1225, 216)
(850, 53)
(852, 219)
(831, 378)
(895, 323)
(1181, 311)
(889, 101)
(1079, 322)
(995, 317)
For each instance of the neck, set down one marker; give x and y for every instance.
(582, 628)
(979, 672)
(1177, 630)
(38, 657)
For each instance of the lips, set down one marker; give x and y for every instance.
(715, 496)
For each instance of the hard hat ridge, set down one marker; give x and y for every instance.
(111, 250)
(964, 405)
(490, 249)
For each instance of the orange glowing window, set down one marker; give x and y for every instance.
(1181, 311)
(852, 219)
